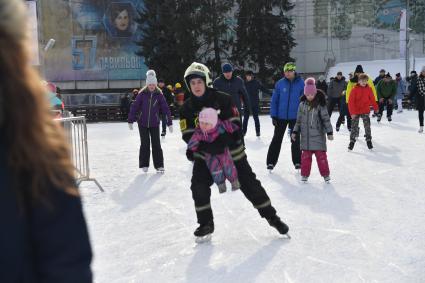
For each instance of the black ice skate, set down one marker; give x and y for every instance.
(281, 227)
(369, 145)
(270, 167)
(389, 118)
(203, 232)
(163, 134)
(351, 146)
(379, 118)
(327, 179)
(304, 179)
(297, 166)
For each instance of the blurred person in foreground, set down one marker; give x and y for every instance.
(43, 234)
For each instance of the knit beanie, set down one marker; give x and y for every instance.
(310, 86)
(359, 69)
(227, 68)
(209, 116)
(151, 77)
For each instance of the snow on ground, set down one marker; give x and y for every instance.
(366, 226)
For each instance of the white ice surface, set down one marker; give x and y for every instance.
(368, 225)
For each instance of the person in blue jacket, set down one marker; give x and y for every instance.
(43, 233)
(283, 111)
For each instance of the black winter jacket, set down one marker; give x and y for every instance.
(235, 87)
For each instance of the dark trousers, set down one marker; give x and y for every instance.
(389, 105)
(164, 123)
(420, 106)
(331, 105)
(255, 111)
(276, 144)
(343, 112)
(146, 136)
(250, 187)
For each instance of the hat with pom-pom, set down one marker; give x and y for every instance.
(310, 86)
(151, 78)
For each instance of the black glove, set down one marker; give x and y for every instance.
(189, 155)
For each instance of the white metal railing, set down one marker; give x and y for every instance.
(76, 135)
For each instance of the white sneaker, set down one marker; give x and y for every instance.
(421, 130)
(145, 169)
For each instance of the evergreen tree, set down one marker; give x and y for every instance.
(264, 35)
(169, 43)
(213, 26)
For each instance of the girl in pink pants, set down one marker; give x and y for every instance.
(313, 125)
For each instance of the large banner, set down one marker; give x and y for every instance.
(95, 40)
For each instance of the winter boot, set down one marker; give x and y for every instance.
(145, 169)
(421, 129)
(204, 229)
(351, 145)
(278, 225)
(236, 185)
(222, 187)
(369, 144)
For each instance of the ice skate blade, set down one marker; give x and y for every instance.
(203, 239)
(285, 236)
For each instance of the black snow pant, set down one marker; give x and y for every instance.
(146, 136)
(276, 144)
(250, 187)
(389, 105)
(255, 110)
(164, 123)
(343, 112)
(331, 105)
(420, 106)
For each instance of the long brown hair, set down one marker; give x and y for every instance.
(37, 153)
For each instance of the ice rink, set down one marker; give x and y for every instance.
(368, 225)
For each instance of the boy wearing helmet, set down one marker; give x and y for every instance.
(198, 81)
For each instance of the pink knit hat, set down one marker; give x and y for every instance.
(310, 86)
(208, 115)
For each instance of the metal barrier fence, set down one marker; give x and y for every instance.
(76, 135)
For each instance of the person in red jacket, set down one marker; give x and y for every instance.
(361, 98)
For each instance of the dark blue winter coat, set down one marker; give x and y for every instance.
(42, 245)
(236, 88)
(253, 87)
(286, 98)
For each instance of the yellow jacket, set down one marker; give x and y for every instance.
(351, 85)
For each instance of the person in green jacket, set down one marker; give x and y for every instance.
(386, 90)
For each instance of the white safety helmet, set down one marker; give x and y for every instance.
(197, 70)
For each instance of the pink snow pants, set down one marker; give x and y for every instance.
(322, 162)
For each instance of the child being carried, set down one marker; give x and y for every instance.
(221, 165)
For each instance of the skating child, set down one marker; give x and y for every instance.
(313, 124)
(359, 103)
(221, 165)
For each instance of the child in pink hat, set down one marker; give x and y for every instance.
(313, 125)
(221, 165)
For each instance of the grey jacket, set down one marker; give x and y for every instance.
(313, 124)
(336, 87)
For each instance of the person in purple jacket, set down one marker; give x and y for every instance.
(146, 110)
(221, 166)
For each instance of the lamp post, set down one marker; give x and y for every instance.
(46, 48)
